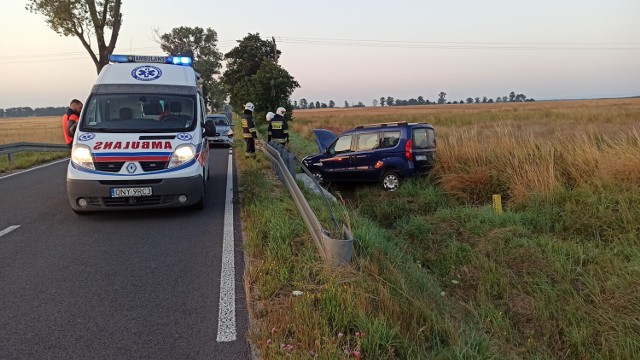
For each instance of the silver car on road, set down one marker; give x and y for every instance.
(224, 130)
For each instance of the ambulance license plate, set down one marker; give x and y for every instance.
(130, 192)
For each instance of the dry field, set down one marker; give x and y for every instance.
(46, 129)
(517, 149)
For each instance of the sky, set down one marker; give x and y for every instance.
(361, 50)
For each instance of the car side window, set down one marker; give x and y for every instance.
(342, 145)
(367, 141)
(390, 139)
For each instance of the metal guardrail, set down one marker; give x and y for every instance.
(10, 149)
(335, 252)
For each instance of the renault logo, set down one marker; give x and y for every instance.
(131, 168)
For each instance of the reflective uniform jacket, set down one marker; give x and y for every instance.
(278, 129)
(248, 127)
(69, 120)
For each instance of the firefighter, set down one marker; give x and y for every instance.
(70, 121)
(278, 128)
(269, 117)
(249, 129)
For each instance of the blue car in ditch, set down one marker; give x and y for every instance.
(385, 153)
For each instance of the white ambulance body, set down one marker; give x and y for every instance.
(141, 141)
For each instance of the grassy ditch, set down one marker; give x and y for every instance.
(24, 160)
(382, 306)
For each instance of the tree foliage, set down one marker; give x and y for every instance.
(85, 20)
(442, 97)
(269, 88)
(201, 44)
(244, 61)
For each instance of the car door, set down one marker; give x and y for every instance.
(365, 156)
(337, 166)
(424, 148)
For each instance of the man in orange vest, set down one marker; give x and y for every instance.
(70, 121)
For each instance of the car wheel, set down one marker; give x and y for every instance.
(390, 181)
(317, 175)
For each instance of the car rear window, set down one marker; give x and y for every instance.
(368, 141)
(424, 138)
(390, 139)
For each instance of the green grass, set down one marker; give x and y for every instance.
(24, 160)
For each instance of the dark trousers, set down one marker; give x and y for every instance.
(251, 145)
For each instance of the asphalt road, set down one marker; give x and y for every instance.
(125, 285)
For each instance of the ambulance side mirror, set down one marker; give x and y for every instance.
(209, 129)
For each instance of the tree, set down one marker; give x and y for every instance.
(1, 112)
(269, 89)
(389, 101)
(490, 101)
(201, 44)
(421, 100)
(484, 99)
(360, 104)
(382, 101)
(332, 103)
(346, 104)
(374, 103)
(242, 62)
(252, 75)
(469, 100)
(442, 97)
(317, 104)
(505, 99)
(477, 100)
(312, 105)
(323, 105)
(295, 104)
(498, 99)
(512, 96)
(303, 103)
(83, 19)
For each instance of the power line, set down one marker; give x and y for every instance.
(459, 45)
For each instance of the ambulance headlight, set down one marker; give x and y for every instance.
(81, 156)
(182, 154)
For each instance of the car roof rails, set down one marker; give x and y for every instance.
(397, 123)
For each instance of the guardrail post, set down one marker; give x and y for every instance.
(10, 159)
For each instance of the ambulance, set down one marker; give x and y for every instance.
(141, 141)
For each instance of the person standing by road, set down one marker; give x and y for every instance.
(278, 127)
(249, 129)
(70, 121)
(269, 117)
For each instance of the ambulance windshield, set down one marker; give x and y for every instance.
(139, 113)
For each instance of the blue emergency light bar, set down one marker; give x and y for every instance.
(175, 60)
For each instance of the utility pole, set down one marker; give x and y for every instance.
(275, 50)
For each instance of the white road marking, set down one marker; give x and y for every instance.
(227, 314)
(34, 168)
(8, 230)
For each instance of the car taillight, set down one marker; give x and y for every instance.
(408, 150)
